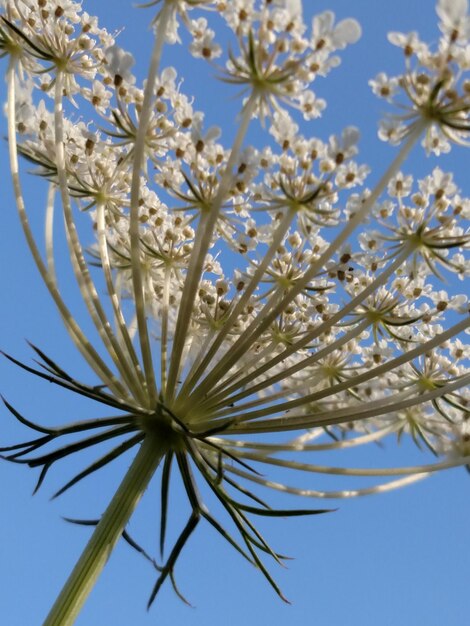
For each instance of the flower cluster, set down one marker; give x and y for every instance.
(435, 84)
(244, 295)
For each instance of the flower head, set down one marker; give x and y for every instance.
(232, 297)
(434, 89)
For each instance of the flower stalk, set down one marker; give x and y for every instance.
(107, 533)
(202, 243)
(134, 234)
(75, 332)
(276, 304)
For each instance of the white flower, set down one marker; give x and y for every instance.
(310, 105)
(400, 185)
(293, 7)
(325, 34)
(199, 139)
(203, 45)
(410, 42)
(384, 86)
(120, 63)
(455, 20)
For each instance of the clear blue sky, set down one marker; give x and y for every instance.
(400, 558)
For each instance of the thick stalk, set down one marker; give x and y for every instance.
(134, 231)
(106, 534)
(49, 232)
(278, 236)
(340, 416)
(80, 267)
(274, 307)
(356, 471)
(201, 246)
(380, 370)
(47, 272)
(296, 445)
(221, 391)
(123, 336)
(314, 493)
(164, 331)
(300, 389)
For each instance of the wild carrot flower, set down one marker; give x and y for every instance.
(435, 86)
(336, 339)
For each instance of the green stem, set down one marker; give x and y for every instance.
(106, 534)
(134, 230)
(275, 306)
(202, 242)
(47, 274)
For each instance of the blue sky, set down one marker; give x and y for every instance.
(400, 558)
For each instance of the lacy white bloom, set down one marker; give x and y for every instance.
(434, 88)
(241, 293)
